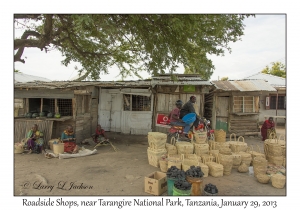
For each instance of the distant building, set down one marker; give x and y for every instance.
(272, 104)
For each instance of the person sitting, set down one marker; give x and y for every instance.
(174, 117)
(34, 140)
(189, 107)
(267, 128)
(99, 135)
(69, 140)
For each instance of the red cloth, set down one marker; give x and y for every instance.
(101, 132)
(175, 112)
(264, 129)
(69, 146)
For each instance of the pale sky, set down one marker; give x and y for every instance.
(263, 42)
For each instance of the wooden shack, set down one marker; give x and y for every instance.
(168, 90)
(234, 105)
(77, 103)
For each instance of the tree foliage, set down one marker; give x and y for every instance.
(133, 43)
(277, 69)
(224, 79)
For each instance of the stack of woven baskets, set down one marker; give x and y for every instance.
(156, 147)
(275, 151)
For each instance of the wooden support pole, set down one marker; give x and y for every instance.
(41, 105)
(56, 107)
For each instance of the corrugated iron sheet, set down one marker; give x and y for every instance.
(244, 85)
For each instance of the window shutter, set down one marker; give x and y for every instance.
(267, 102)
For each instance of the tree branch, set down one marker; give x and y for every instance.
(26, 16)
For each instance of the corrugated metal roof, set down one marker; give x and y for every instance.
(21, 77)
(244, 85)
(271, 79)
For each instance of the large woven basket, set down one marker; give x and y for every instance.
(239, 145)
(260, 166)
(171, 149)
(276, 160)
(176, 163)
(154, 155)
(191, 157)
(220, 135)
(212, 149)
(257, 153)
(157, 140)
(184, 148)
(201, 149)
(204, 169)
(278, 181)
(227, 162)
(215, 168)
(246, 157)
(187, 163)
(273, 148)
(200, 137)
(174, 157)
(208, 157)
(236, 160)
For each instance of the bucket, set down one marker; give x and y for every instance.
(178, 192)
(170, 184)
(189, 118)
(197, 185)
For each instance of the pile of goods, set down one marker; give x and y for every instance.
(194, 172)
(156, 147)
(210, 189)
(182, 185)
(273, 169)
(275, 151)
(175, 173)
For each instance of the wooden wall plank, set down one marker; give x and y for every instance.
(45, 93)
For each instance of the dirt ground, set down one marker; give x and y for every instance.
(116, 173)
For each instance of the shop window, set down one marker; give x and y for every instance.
(62, 106)
(243, 104)
(136, 103)
(281, 102)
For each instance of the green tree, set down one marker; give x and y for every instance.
(133, 43)
(224, 79)
(277, 69)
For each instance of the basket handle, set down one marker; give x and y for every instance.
(182, 157)
(233, 134)
(266, 149)
(272, 135)
(242, 138)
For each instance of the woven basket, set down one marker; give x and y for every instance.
(187, 163)
(257, 153)
(208, 157)
(176, 163)
(154, 155)
(273, 148)
(239, 145)
(163, 165)
(212, 149)
(174, 157)
(236, 160)
(263, 178)
(215, 168)
(201, 149)
(184, 148)
(243, 168)
(260, 166)
(157, 140)
(276, 160)
(204, 169)
(246, 157)
(220, 135)
(171, 149)
(18, 148)
(191, 157)
(227, 162)
(200, 137)
(278, 181)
